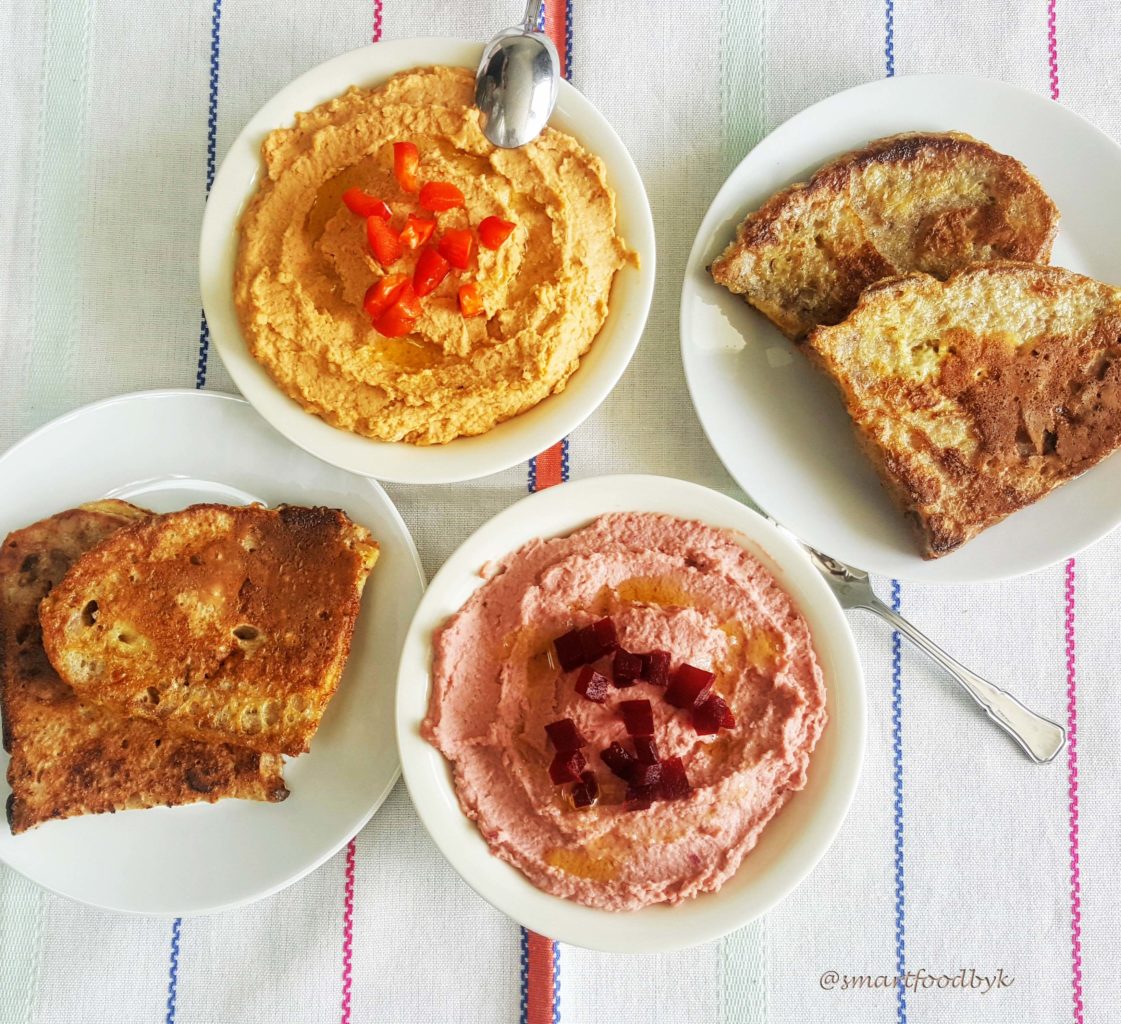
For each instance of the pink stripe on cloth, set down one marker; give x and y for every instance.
(1072, 777)
(376, 37)
(1072, 676)
(348, 931)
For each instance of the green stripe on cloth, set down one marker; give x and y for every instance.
(743, 77)
(743, 954)
(21, 938)
(60, 196)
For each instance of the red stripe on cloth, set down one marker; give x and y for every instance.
(556, 14)
(540, 989)
(550, 467)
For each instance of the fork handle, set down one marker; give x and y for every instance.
(1041, 738)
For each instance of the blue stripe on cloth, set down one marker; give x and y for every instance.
(173, 971)
(211, 162)
(897, 690)
(556, 979)
(889, 38)
(897, 775)
(525, 974)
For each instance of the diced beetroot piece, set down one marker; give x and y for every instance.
(592, 685)
(687, 686)
(712, 714)
(565, 736)
(588, 778)
(567, 767)
(646, 775)
(570, 650)
(646, 749)
(626, 668)
(675, 784)
(618, 759)
(583, 796)
(598, 640)
(655, 668)
(638, 717)
(640, 797)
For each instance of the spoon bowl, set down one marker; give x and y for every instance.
(517, 82)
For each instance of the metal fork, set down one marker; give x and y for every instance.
(1041, 738)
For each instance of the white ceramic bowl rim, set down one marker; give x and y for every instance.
(466, 458)
(790, 845)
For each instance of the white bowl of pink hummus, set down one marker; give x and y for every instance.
(630, 713)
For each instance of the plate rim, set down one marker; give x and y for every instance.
(847, 770)
(694, 268)
(436, 463)
(383, 794)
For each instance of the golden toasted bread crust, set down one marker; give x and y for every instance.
(68, 757)
(978, 395)
(931, 202)
(222, 623)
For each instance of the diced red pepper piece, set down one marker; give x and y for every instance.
(406, 160)
(384, 241)
(712, 714)
(687, 686)
(638, 717)
(566, 767)
(586, 791)
(626, 668)
(599, 639)
(366, 205)
(470, 301)
(456, 247)
(417, 231)
(565, 736)
(383, 293)
(675, 783)
(591, 685)
(493, 231)
(431, 269)
(643, 775)
(646, 749)
(439, 196)
(570, 650)
(401, 317)
(655, 668)
(619, 760)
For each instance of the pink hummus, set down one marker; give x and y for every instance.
(668, 584)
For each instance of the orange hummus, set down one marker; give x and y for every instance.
(304, 265)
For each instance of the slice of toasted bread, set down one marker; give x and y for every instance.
(978, 395)
(931, 202)
(228, 624)
(68, 757)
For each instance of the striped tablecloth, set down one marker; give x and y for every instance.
(986, 884)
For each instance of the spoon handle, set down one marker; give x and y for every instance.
(532, 15)
(1041, 738)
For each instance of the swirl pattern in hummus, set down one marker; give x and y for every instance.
(303, 264)
(668, 584)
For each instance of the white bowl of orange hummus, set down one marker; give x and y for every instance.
(677, 567)
(285, 267)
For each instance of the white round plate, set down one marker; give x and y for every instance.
(165, 450)
(791, 844)
(778, 424)
(466, 458)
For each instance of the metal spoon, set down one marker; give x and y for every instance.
(517, 82)
(1041, 738)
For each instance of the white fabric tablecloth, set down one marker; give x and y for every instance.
(957, 853)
